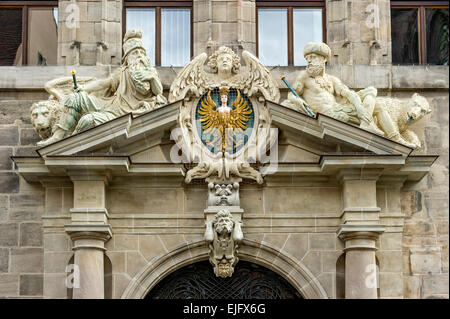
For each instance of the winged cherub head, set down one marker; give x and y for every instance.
(224, 62)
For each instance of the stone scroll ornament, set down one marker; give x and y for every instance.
(223, 236)
(78, 104)
(224, 120)
(326, 94)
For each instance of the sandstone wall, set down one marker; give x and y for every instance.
(414, 265)
(21, 204)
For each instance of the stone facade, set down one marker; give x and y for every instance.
(152, 223)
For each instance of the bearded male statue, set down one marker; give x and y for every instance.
(223, 236)
(135, 88)
(326, 94)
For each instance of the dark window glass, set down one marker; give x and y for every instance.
(11, 37)
(437, 36)
(405, 36)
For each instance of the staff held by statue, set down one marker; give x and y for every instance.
(307, 108)
(74, 77)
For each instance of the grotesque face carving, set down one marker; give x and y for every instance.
(44, 115)
(417, 107)
(316, 64)
(224, 268)
(223, 222)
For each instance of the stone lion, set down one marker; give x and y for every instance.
(44, 116)
(403, 114)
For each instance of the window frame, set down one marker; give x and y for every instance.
(158, 5)
(25, 5)
(290, 6)
(421, 17)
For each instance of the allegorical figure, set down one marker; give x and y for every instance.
(326, 94)
(135, 88)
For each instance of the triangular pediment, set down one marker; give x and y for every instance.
(313, 137)
(142, 145)
(146, 138)
(143, 137)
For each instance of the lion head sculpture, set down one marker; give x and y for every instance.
(44, 116)
(417, 107)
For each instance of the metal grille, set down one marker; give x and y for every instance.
(249, 281)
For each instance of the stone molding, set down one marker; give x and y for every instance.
(354, 76)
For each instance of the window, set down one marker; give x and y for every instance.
(419, 32)
(29, 32)
(166, 27)
(285, 27)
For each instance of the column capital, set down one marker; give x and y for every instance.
(89, 235)
(360, 236)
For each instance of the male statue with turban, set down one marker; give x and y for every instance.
(135, 88)
(326, 94)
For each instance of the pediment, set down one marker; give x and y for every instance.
(324, 135)
(142, 145)
(134, 136)
(146, 138)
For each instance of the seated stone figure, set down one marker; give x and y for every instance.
(326, 94)
(135, 88)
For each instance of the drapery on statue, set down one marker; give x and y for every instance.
(326, 94)
(135, 88)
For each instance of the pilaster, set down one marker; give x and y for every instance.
(231, 23)
(358, 32)
(359, 230)
(89, 32)
(89, 230)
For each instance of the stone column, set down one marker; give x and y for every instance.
(89, 32)
(359, 230)
(229, 22)
(89, 231)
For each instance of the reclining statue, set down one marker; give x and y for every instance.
(326, 94)
(135, 88)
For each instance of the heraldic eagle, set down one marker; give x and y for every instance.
(224, 120)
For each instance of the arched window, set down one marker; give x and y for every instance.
(249, 281)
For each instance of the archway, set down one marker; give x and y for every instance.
(198, 281)
(293, 271)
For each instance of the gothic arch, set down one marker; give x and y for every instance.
(297, 274)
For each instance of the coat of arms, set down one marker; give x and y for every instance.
(224, 127)
(224, 120)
